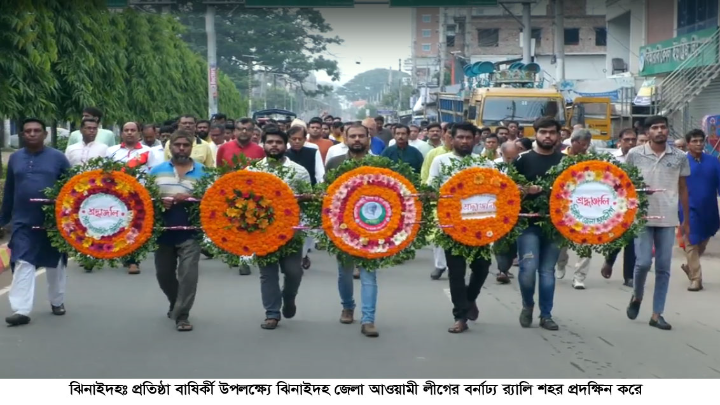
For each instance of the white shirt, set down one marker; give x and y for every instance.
(319, 166)
(339, 150)
(157, 156)
(301, 174)
(214, 148)
(80, 153)
(619, 155)
(422, 146)
(119, 153)
(445, 160)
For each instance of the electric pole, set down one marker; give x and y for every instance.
(212, 60)
(559, 40)
(527, 33)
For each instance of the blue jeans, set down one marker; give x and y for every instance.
(368, 289)
(537, 253)
(663, 238)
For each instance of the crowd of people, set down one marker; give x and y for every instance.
(178, 151)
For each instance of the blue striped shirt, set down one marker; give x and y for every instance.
(170, 184)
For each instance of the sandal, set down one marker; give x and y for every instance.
(306, 263)
(183, 326)
(458, 327)
(270, 323)
(606, 271)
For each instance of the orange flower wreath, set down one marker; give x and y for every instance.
(248, 212)
(473, 223)
(371, 212)
(593, 203)
(105, 215)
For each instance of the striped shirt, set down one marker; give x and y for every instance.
(170, 184)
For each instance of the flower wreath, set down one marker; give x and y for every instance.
(621, 221)
(250, 213)
(481, 236)
(104, 212)
(373, 212)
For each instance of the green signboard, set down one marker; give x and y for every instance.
(442, 3)
(299, 3)
(117, 3)
(666, 56)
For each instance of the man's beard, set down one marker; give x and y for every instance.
(545, 147)
(202, 134)
(275, 155)
(357, 148)
(181, 158)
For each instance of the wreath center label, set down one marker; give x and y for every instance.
(104, 215)
(593, 202)
(372, 213)
(478, 206)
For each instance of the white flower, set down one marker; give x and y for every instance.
(489, 234)
(590, 176)
(570, 186)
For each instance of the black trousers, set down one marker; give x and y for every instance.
(628, 260)
(463, 295)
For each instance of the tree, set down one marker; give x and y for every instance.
(58, 57)
(286, 41)
(363, 111)
(371, 83)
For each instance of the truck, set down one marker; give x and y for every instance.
(496, 97)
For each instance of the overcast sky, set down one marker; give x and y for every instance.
(375, 35)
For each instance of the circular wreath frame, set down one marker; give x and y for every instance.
(107, 166)
(425, 216)
(287, 175)
(469, 252)
(542, 205)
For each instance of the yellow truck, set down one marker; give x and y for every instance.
(512, 96)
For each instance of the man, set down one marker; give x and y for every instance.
(217, 138)
(310, 159)
(703, 186)
(219, 119)
(104, 136)
(341, 149)
(579, 144)
(377, 145)
(134, 155)
(229, 130)
(201, 151)
(502, 134)
(357, 138)
(681, 144)
(178, 255)
(505, 260)
(275, 145)
(491, 147)
(382, 133)
(157, 152)
(416, 143)
(446, 147)
(435, 136)
(463, 296)
(29, 171)
(642, 139)
(337, 132)
(662, 167)
(202, 130)
(165, 132)
(316, 137)
(80, 153)
(628, 140)
(242, 145)
(513, 130)
(537, 252)
(149, 136)
(402, 151)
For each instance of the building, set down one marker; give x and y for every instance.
(494, 34)
(676, 55)
(426, 44)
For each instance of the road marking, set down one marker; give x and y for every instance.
(7, 289)
(446, 290)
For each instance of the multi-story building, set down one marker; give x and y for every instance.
(426, 44)
(477, 34)
(673, 46)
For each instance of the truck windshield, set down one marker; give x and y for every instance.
(525, 110)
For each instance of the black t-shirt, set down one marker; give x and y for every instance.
(533, 165)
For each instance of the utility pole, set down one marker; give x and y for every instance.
(441, 48)
(559, 40)
(413, 23)
(400, 86)
(250, 81)
(212, 60)
(527, 33)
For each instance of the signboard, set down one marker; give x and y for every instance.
(442, 3)
(666, 56)
(299, 3)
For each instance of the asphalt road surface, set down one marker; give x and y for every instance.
(116, 327)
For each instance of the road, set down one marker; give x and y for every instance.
(116, 328)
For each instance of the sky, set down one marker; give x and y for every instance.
(375, 35)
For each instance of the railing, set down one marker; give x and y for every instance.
(691, 76)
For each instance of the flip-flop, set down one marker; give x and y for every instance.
(270, 324)
(183, 326)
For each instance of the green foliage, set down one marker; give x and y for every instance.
(58, 57)
(363, 112)
(293, 41)
(371, 83)
(421, 239)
